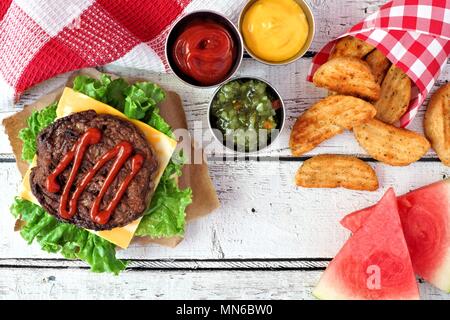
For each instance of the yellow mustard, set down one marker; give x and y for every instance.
(275, 30)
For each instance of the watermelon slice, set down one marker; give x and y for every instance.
(374, 263)
(425, 217)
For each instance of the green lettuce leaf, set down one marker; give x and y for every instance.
(35, 123)
(93, 88)
(166, 214)
(72, 242)
(158, 122)
(141, 99)
(137, 100)
(115, 93)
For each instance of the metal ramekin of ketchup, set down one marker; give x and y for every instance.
(204, 49)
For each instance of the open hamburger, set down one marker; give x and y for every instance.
(103, 169)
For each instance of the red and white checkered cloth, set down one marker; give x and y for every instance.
(414, 35)
(42, 38)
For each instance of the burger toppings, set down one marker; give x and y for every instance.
(121, 152)
(205, 51)
(91, 171)
(152, 205)
(243, 109)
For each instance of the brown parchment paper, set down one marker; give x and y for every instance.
(195, 176)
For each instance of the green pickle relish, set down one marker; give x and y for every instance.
(245, 112)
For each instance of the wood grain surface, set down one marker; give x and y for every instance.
(269, 239)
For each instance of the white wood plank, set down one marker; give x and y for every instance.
(179, 264)
(263, 215)
(29, 97)
(56, 284)
(5, 147)
(297, 93)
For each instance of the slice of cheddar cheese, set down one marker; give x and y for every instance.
(163, 146)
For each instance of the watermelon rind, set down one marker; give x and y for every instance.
(327, 293)
(441, 278)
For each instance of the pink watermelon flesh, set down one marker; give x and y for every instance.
(425, 217)
(379, 244)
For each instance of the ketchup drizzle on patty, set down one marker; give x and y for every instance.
(121, 152)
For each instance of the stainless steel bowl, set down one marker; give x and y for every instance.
(312, 28)
(184, 21)
(280, 115)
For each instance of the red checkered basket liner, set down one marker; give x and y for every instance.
(414, 35)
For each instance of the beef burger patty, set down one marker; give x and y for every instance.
(55, 141)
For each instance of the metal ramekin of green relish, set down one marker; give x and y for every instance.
(248, 112)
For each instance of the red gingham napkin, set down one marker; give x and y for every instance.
(42, 38)
(414, 35)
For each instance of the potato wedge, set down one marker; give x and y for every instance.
(379, 65)
(333, 171)
(327, 118)
(395, 96)
(351, 47)
(349, 76)
(389, 144)
(437, 123)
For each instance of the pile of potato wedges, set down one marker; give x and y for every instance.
(368, 95)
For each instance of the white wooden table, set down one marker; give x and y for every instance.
(268, 240)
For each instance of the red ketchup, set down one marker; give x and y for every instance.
(121, 152)
(205, 51)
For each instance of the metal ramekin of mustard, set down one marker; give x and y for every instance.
(277, 32)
